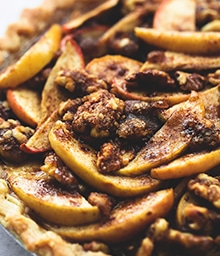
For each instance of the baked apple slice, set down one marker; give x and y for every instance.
(81, 159)
(111, 67)
(93, 9)
(125, 221)
(25, 103)
(168, 142)
(49, 200)
(39, 141)
(38, 56)
(119, 88)
(187, 165)
(52, 95)
(181, 41)
(210, 98)
(175, 16)
(35, 239)
(173, 61)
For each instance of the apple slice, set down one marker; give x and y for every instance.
(125, 221)
(172, 61)
(25, 103)
(52, 94)
(39, 141)
(210, 98)
(185, 41)
(49, 200)
(94, 9)
(81, 159)
(111, 67)
(169, 141)
(120, 89)
(175, 15)
(187, 165)
(40, 54)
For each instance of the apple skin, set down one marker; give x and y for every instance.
(39, 142)
(172, 15)
(52, 95)
(25, 103)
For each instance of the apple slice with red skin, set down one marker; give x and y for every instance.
(25, 103)
(37, 57)
(39, 142)
(88, 40)
(175, 15)
(71, 57)
(52, 95)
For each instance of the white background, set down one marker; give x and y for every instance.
(9, 12)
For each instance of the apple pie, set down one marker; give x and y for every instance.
(110, 128)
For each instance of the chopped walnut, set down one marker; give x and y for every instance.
(79, 81)
(151, 79)
(205, 134)
(214, 78)
(138, 107)
(206, 187)
(141, 121)
(158, 230)
(162, 235)
(189, 82)
(207, 11)
(124, 44)
(188, 240)
(102, 201)
(54, 166)
(146, 247)
(99, 115)
(5, 111)
(133, 128)
(112, 157)
(68, 108)
(202, 219)
(12, 135)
